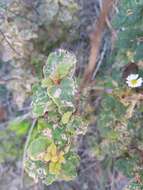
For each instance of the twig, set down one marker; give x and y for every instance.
(100, 60)
(95, 41)
(25, 149)
(18, 119)
(4, 81)
(10, 45)
(113, 178)
(113, 32)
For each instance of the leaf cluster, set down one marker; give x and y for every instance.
(52, 150)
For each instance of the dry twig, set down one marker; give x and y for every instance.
(96, 39)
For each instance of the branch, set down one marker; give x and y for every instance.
(100, 60)
(95, 41)
(10, 45)
(17, 119)
(4, 81)
(25, 149)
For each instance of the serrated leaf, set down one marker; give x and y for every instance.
(54, 168)
(64, 69)
(69, 167)
(40, 99)
(61, 63)
(65, 98)
(46, 83)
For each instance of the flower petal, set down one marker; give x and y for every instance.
(140, 81)
(132, 77)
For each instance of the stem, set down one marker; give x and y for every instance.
(95, 41)
(25, 149)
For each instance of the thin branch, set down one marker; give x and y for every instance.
(25, 149)
(17, 119)
(95, 43)
(10, 45)
(100, 60)
(4, 81)
(113, 177)
(96, 39)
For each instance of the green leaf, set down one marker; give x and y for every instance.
(112, 104)
(126, 166)
(37, 147)
(57, 134)
(60, 62)
(46, 83)
(20, 128)
(63, 95)
(74, 124)
(49, 179)
(42, 124)
(64, 69)
(70, 166)
(40, 100)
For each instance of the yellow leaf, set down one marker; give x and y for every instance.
(61, 157)
(66, 117)
(54, 158)
(52, 149)
(54, 168)
(47, 157)
(51, 153)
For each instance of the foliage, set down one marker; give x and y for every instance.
(119, 121)
(12, 141)
(51, 154)
(129, 24)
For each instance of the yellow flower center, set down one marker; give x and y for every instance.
(134, 82)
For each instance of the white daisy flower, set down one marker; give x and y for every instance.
(134, 81)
